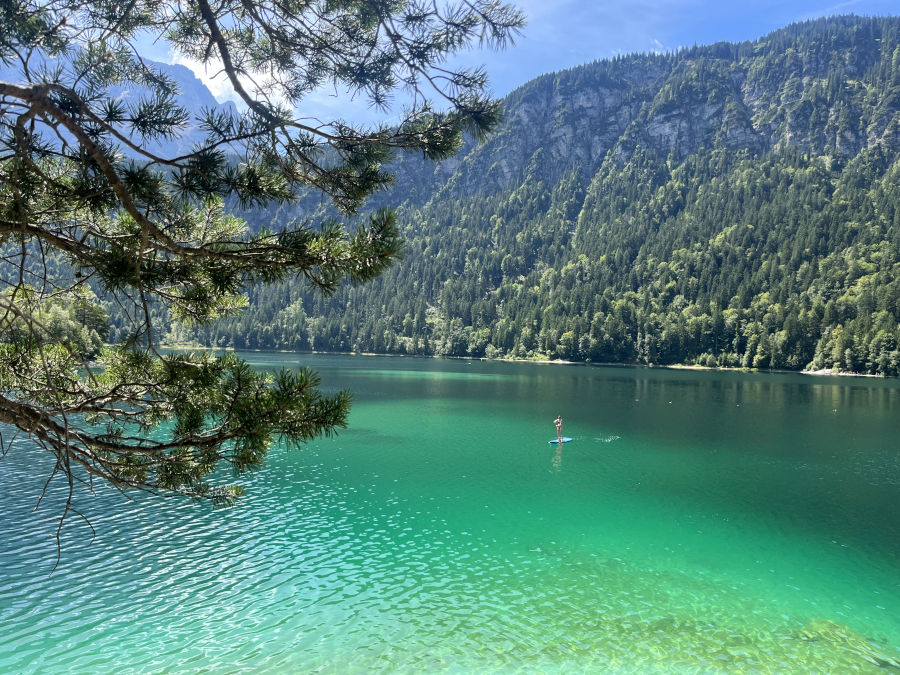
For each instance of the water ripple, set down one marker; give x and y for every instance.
(351, 558)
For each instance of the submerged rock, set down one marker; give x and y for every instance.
(833, 633)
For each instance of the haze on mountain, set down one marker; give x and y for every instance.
(726, 205)
(190, 93)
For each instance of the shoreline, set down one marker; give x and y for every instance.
(824, 372)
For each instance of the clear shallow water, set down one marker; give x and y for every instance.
(699, 521)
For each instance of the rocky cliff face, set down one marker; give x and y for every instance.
(825, 87)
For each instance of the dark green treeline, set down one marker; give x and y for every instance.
(732, 205)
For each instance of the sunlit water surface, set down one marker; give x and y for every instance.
(699, 521)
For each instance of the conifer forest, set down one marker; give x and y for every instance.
(732, 205)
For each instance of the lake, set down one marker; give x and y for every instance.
(711, 521)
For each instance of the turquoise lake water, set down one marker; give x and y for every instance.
(699, 522)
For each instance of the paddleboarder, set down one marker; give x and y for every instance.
(558, 423)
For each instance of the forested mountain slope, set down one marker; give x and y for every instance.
(734, 204)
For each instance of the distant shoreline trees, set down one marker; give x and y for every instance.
(794, 291)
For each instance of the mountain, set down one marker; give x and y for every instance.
(192, 95)
(731, 204)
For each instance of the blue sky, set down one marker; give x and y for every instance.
(565, 33)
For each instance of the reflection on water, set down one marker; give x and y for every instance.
(698, 521)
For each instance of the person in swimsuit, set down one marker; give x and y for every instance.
(558, 423)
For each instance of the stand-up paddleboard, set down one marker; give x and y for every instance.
(565, 439)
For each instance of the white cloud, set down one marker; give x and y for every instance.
(322, 105)
(212, 77)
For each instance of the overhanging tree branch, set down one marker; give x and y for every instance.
(84, 196)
